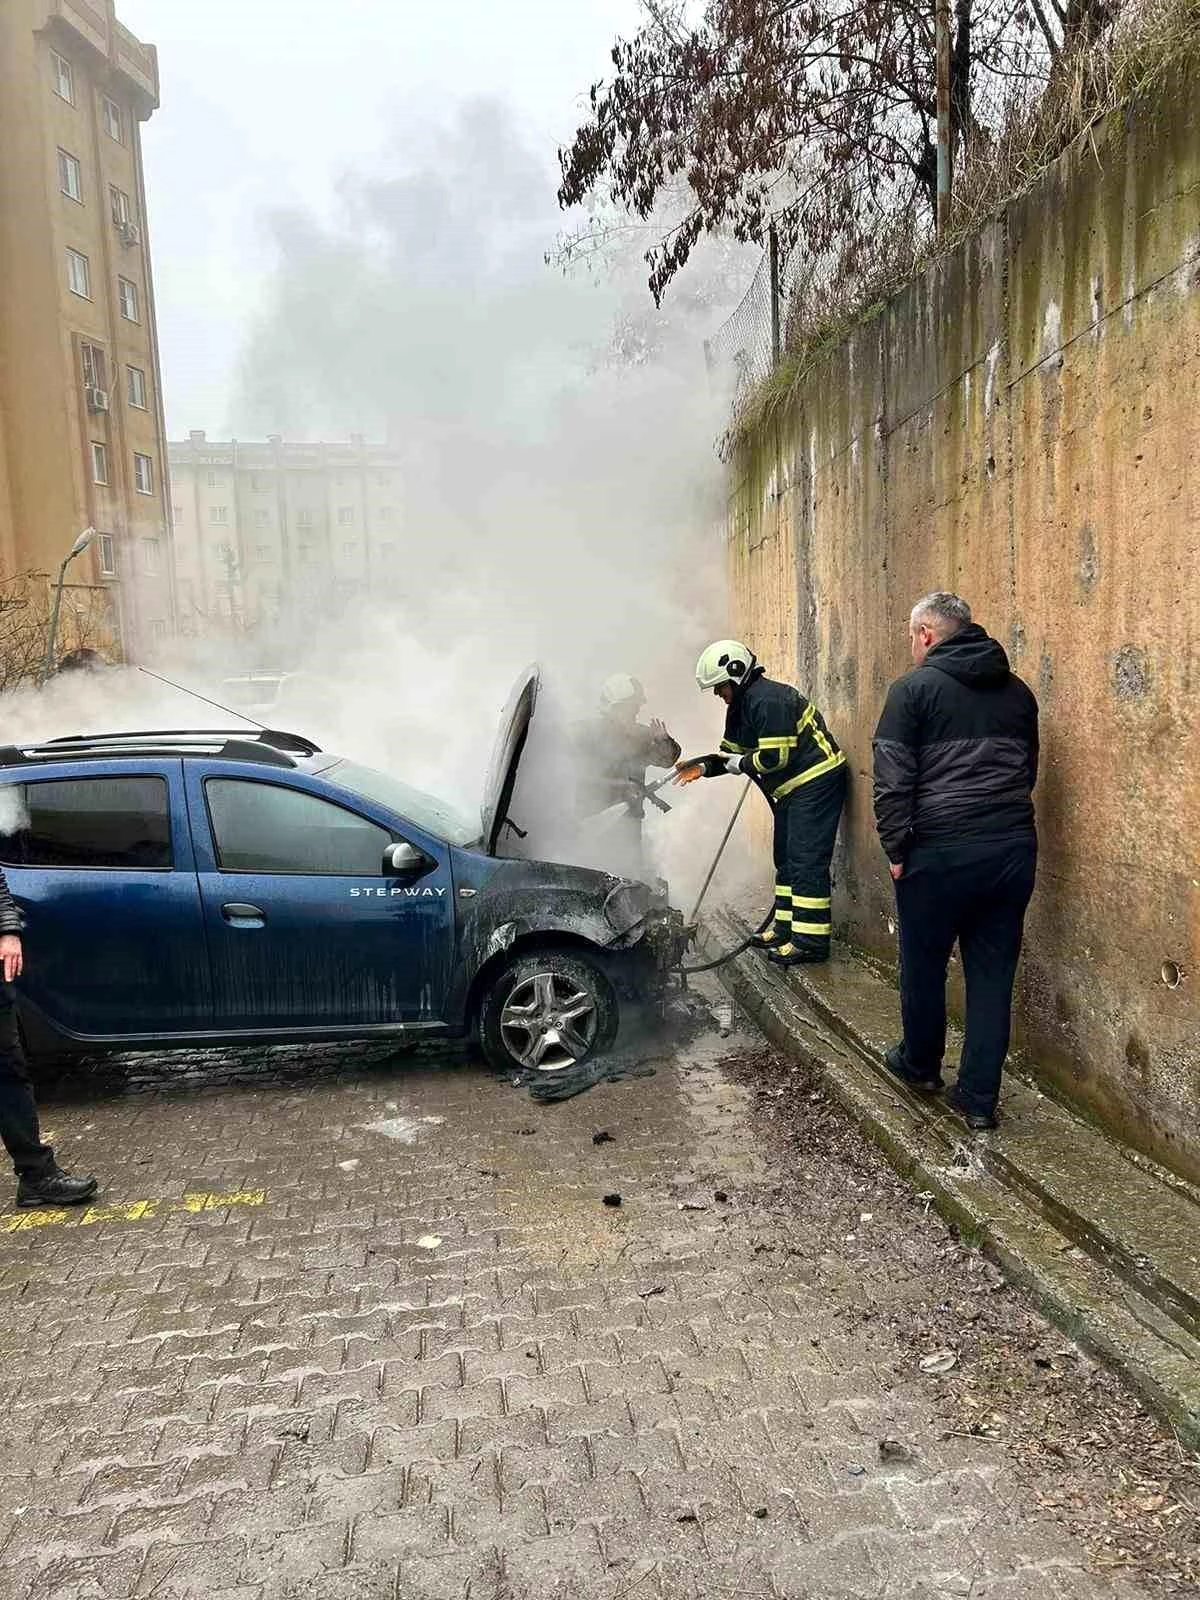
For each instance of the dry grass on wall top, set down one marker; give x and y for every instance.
(1148, 65)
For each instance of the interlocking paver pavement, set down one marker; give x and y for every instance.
(434, 1364)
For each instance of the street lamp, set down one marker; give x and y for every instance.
(77, 549)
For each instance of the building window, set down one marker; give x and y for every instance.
(385, 513)
(304, 554)
(64, 78)
(350, 549)
(304, 519)
(158, 628)
(176, 513)
(345, 514)
(143, 474)
(258, 482)
(383, 480)
(108, 556)
(129, 299)
(137, 387)
(79, 274)
(99, 462)
(219, 515)
(114, 120)
(386, 551)
(150, 553)
(122, 206)
(261, 519)
(70, 176)
(91, 359)
(263, 552)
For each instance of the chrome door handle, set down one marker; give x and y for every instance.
(239, 915)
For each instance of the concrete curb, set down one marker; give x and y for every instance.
(1069, 1275)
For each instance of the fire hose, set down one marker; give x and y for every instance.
(730, 955)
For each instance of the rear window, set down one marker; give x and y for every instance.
(86, 822)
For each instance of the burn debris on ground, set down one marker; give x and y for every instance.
(1087, 1451)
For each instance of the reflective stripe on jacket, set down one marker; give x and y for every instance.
(780, 736)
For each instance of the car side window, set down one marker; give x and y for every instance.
(262, 827)
(87, 822)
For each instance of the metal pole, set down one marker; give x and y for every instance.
(773, 254)
(945, 139)
(48, 664)
(716, 861)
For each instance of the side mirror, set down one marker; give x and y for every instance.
(404, 857)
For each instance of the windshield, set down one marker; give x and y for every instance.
(434, 816)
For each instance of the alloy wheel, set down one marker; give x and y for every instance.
(548, 1022)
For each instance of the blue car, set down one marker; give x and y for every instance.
(190, 888)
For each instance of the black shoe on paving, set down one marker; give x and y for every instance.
(57, 1188)
(896, 1061)
(977, 1121)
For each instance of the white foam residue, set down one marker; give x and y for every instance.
(405, 1130)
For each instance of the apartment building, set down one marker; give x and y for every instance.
(264, 528)
(82, 439)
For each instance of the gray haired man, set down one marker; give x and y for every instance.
(956, 758)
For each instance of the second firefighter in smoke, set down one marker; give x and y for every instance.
(779, 739)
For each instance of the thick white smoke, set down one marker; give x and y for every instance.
(562, 503)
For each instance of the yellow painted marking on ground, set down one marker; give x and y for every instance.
(32, 1219)
(218, 1202)
(129, 1210)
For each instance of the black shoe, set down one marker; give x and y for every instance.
(977, 1121)
(57, 1188)
(768, 939)
(792, 955)
(896, 1061)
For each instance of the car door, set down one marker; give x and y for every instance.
(101, 864)
(307, 929)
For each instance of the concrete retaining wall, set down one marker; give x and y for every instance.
(1022, 424)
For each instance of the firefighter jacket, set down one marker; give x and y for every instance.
(611, 759)
(956, 749)
(780, 736)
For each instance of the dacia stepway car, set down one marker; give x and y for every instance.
(186, 888)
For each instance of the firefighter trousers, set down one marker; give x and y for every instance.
(806, 824)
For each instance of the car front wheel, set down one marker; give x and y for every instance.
(547, 1013)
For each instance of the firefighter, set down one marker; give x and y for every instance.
(613, 750)
(778, 738)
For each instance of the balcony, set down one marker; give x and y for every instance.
(94, 23)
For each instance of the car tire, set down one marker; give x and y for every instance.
(547, 1013)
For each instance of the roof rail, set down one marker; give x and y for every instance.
(271, 747)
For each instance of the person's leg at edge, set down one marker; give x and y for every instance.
(40, 1179)
(19, 1128)
(990, 943)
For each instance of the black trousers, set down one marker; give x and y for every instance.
(976, 893)
(19, 1130)
(806, 825)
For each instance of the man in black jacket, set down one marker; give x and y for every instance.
(956, 757)
(779, 739)
(40, 1180)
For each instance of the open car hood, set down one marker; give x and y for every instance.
(506, 756)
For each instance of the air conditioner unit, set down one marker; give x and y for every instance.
(97, 399)
(129, 234)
